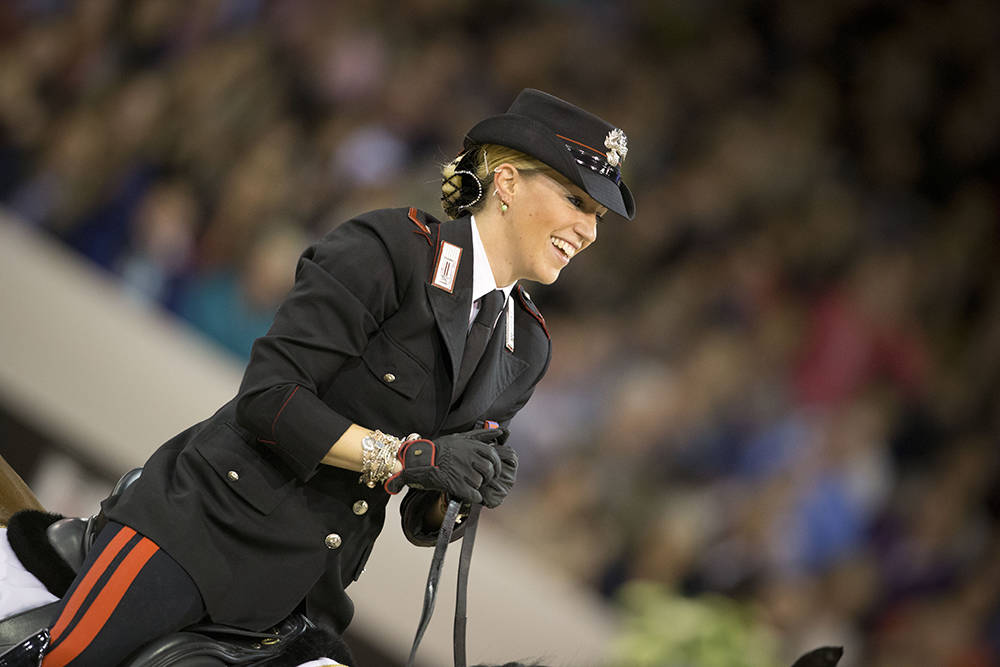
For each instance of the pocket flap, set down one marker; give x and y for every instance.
(393, 366)
(245, 470)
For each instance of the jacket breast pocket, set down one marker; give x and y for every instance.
(394, 367)
(244, 470)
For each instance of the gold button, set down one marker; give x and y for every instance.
(360, 507)
(418, 451)
(233, 476)
(389, 377)
(333, 541)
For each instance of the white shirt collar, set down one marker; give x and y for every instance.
(482, 275)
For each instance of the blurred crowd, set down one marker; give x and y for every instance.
(781, 382)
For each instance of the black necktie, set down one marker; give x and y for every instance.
(479, 335)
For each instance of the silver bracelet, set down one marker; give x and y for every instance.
(378, 452)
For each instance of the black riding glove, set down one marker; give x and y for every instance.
(458, 464)
(495, 490)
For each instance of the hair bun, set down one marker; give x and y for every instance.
(461, 189)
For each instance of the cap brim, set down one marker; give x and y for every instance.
(617, 198)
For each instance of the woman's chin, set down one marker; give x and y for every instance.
(546, 275)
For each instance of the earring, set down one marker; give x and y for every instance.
(503, 204)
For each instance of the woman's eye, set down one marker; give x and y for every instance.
(575, 201)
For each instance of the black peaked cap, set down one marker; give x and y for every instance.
(579, 145)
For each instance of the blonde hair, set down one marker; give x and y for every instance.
(467, 180)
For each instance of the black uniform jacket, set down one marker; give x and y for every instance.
(241, 500)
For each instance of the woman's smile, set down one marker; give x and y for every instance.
(564, 249)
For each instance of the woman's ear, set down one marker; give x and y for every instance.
(505, 179)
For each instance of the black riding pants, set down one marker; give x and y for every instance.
(128, 592)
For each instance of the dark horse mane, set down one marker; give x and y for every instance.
(27, 537)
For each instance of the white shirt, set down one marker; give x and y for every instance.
(483, 281)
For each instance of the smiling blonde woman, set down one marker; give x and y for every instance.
(398, 360)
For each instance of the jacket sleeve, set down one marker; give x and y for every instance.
(414, 507)
(345, 286)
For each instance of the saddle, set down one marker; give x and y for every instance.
(290, 643)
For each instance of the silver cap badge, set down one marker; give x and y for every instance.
(617, 144)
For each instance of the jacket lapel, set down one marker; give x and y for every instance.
(451, 308)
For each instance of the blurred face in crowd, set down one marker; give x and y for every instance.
(549, 222)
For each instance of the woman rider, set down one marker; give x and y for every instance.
(398, 360)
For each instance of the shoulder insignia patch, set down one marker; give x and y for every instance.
(421, 227)
(446, 264)
(532, 309)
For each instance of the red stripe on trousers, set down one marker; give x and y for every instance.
(98, 613)
(93, 574)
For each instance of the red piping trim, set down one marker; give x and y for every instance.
(424, 231)
(578, 143)
(274, 424)
(401, 455)
(434, 264)
(528, 306)
(433, 452)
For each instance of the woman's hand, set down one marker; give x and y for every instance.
(459, 464)
(497, 488)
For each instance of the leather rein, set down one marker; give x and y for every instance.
(434, 577)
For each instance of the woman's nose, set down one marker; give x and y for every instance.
(587, 228)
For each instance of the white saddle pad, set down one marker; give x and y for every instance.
(19, 590)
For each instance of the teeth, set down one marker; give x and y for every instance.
(564, 246)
